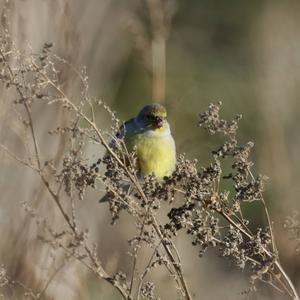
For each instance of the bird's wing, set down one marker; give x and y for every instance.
(127, 128)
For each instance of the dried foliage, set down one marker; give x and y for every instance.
(210, 216)
(292, 225)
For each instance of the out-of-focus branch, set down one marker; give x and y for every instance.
(158, 49)
(96, 266)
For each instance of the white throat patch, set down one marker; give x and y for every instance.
(150, 132)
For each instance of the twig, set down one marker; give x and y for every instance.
(50, 280)
(16, 158)
(129, 174)
(146, 270)
(250, 237)
(274, 248)
(100, 271)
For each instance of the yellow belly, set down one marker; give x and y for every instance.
(155, 154)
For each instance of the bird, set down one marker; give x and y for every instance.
(149, 135)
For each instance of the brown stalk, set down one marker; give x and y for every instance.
(99, 270)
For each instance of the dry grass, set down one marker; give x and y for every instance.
(53, 131)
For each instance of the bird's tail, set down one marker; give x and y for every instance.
(104, 199)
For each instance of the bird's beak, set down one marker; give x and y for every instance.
(159, 122)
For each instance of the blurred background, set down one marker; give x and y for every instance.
(184, 54)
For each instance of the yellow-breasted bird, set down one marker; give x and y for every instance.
(150, 136)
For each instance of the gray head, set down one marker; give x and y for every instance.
(153, 116)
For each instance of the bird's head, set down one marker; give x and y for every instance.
(153, 116)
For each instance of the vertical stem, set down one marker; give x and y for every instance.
(159, 68)
(158, 49)
(288, 280)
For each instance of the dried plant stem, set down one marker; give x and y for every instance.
(288, 280)
(159, 68)
(138, 187)
(274, 248)
(288, 286)
(146, 271)
(205, 206)
(172, 259)
(97, 267)
(136, 251)
(16, 158)
(132, 178)
(158, 49)
(281, 270)
(41, 294)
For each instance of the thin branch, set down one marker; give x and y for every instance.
(16, 158)
(250, 237)
(274, 248)
(50, 280)
(129, 174)
(147, 268)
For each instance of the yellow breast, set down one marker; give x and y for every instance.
(155, 154)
